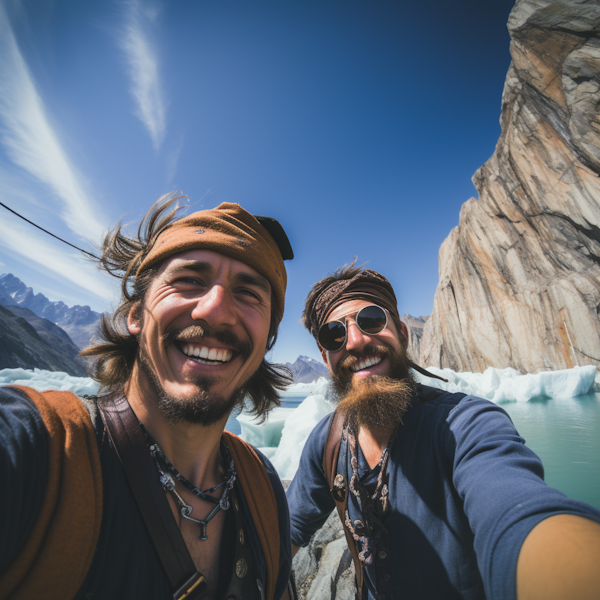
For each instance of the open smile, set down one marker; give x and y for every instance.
(206, 355)
(366, 363)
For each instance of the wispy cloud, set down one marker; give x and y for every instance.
(172, 160)
(32, 144)
(50, 255)
(144, 70)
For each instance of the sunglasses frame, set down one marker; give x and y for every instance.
(343, 323)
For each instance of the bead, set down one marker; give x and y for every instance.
(382, 554)
(242, 537)
(339, 488)
(241, 568)
(359, 527)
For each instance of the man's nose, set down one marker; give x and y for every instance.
(355, 339)
(215, 307)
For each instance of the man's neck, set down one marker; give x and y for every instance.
(193, 449)
(373, 441)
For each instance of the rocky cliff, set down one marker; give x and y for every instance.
(520, 276)
(415, 327)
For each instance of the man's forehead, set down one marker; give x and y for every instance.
(347, 308)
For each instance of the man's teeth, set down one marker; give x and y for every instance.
(210, 354)
(366, 362)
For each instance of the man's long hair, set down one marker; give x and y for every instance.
(114, 355)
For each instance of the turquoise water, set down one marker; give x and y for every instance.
(564, 433)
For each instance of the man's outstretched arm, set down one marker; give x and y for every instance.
(560, 559)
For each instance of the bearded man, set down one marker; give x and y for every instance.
(140, 493)
(438, 495)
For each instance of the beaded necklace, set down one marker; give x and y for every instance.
(168, 473)
(374, 506)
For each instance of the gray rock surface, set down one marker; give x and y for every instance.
(519, 277)
(415, 327)
(52, 334)
(21, 346)
(324, 569)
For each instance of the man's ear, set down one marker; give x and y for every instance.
(134, 319)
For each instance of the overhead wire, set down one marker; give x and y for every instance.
(48, 232)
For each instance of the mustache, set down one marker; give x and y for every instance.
(353, 358)
(224, 336)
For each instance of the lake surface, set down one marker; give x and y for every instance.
(564, 433)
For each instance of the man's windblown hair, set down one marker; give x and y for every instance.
(115, 353)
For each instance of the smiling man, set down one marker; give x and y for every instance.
(139, 493)
(438, 495)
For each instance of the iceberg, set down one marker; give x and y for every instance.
(283, 435)
(41, 380)
(303, 390)
(508, 385)
(264, 434)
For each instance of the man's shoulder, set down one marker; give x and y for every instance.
(454, 408)
(449, 401)
(318, 436)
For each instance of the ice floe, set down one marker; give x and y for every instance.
(41, 380)
(508, 385)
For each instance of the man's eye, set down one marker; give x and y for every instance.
(189, 280)
(251, 294)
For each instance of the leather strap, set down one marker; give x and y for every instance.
(330, 461)
(130, 444)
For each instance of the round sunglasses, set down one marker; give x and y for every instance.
(371, 320)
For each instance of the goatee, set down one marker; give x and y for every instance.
(375, 401)
(203, 407)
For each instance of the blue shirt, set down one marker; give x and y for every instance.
(464, 492)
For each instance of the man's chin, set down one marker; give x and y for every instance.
(195, 402)
(200, 409)
(376, 402)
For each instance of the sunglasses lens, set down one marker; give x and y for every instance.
(371, 319)
(332, 335)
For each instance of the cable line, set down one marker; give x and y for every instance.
(46, 231)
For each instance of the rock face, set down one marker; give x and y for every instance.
(520, 275)
(80, 322)
(323, 570)
(415, 327)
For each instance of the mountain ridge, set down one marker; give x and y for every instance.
(79, 322)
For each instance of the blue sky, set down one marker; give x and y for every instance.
(357, 125)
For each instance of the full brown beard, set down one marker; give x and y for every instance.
(375, 401)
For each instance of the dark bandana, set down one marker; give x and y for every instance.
(365, 285)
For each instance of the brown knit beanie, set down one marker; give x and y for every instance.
(230, 230)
